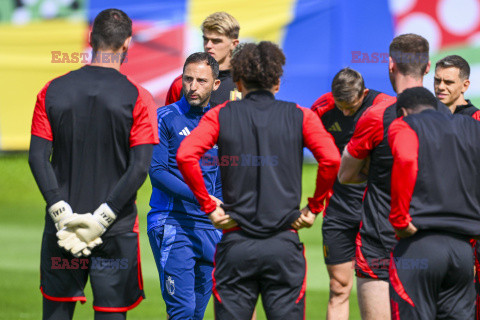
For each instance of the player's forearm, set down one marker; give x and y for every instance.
(350, 169)
(324, 183)
(194, 179)
(192, 148)
(42, 170)
(133, 178)
(167, 182)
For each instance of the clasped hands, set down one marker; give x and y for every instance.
(80, 233)
(219, 218)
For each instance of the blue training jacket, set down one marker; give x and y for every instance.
(172, 201)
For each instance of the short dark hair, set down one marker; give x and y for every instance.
(455, 61)
(415, 99)
(111, 28)
(410, 53)
(347, 85)
(203, 57)
(259, 66)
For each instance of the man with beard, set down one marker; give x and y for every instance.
(220, 37)
(91, 145)
(182, 237)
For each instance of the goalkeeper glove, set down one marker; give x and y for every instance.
(70, 242)
(61, 213)
(89, 226)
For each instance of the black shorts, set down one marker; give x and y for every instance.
(372, 260)
(431, 277)
(339, 240)
(114, 269)
(245, 267)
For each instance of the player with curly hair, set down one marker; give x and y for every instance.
(260, 149)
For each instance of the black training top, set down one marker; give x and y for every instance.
(346, 200)
(435, 174)
(94, 116)
(260, 149)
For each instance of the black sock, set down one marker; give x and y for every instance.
(55, 310)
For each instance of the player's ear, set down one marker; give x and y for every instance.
(365, 92)
(466, 84)
(427, 70)
(235, 43)
(216, 84)
(404, 112)
(126, 44)
(391, 65)
(90, 38)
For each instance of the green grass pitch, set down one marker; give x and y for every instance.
(22, 216)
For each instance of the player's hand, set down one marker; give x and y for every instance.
(89, 226)
(409, 231)
(306, 219)
(221, 220)
(217, 201)
(70, 242)
(61, 213)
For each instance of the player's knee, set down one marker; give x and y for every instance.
(340, 289)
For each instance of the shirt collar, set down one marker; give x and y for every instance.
(186, 107)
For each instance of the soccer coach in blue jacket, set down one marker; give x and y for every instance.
(182, 237)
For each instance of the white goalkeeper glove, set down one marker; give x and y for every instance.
(61, 213)
(88, 227)
(70, 242)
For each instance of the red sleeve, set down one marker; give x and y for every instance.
(383, 97)
(476, 115)
(404, 144)
(175, 92)
(40, 123)
(368, 132)
(323, 104)
(192, 148)
(321, 143)
(145, 128)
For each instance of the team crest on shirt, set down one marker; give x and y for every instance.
(170, 286)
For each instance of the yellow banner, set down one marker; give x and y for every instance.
(26, 66)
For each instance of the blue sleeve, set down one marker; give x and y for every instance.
(160, 176)
(218, 186)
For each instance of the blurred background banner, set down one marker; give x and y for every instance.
(42, 39)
